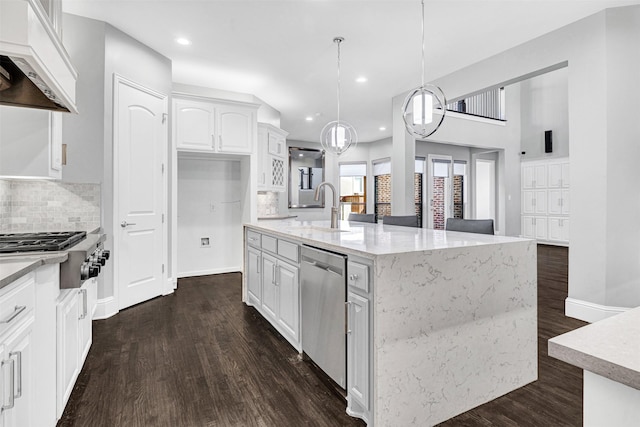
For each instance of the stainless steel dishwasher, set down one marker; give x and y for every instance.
(323, 276)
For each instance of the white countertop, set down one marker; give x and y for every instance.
(609, 348)
(368, 239)
(15, 266)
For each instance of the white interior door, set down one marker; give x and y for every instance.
(485, 189)
(140, 145)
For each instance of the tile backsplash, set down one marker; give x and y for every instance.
(48, 206)
(268, 203)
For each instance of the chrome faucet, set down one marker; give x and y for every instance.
(334, 208)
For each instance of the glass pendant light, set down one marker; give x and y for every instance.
(338, 136)
(418, 107)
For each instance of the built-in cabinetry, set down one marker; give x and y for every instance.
(30, 143)
(75, 309)
(273, 285)
(17, 310)
(358, 339)
(213, 126)
(272, 160)
(545, 200)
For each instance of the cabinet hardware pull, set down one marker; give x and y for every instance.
(353, 277)
(18, 355)
(213, 141)
(347, 330)
(15, 313)
(273, 274)
(258, 264)
(84, 303)
(220, 143)
(12, 398)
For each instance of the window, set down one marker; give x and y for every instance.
(382, 188)
(353, 189)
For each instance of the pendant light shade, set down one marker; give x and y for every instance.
(338, 136)
(424, 108)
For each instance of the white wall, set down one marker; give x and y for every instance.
(545, 106)
(603, 64)
(209, 206)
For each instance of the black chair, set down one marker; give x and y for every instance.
(362, 217)
(406, 221)
(480, 226)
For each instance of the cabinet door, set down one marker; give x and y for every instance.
(565, 175)
(565, 228)
(358, 349)
(534, 201)
(276, 144)
(555, 202)
(194, 125)
(558, 229)
(289, 289)
(68, 335)
(56, 144)
(528, 227)
(565, 202)
(540, 228)
(555, 175)
(276, 173)
(269, 287)
(534, 176)
(84, 321)
(236, 129)
(18, 357)
(253, 276)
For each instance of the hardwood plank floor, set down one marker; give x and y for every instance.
(200, 357)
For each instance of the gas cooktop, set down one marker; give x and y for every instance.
(38, 242)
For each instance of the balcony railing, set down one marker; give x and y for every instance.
(488, 104)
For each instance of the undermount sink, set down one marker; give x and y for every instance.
(323, 229)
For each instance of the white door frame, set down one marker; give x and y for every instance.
(117, 81)
(429, 198)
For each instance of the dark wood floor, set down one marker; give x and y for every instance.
(200, 357)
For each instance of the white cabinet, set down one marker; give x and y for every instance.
(545, 200)
(87, 299)
(254, 278)
(30, 143)
(358, 349)
(269, 287)
(68, 353)
(272, 143)
(273, 282)
(214, 126)
(17, 394)
(288, 285)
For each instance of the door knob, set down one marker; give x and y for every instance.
(123, 224)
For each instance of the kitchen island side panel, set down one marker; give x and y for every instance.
(453, 329)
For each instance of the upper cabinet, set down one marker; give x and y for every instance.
(272, 145)
(30, 143)
(214, 126)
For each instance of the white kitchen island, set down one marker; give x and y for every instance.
(446, 321)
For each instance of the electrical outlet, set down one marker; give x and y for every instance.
(204, 242)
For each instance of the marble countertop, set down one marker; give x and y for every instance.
(371, 240)
(15, 266)
(609, 348)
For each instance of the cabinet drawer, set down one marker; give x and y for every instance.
(288, 250)
(18, 297)
(269, 243)
(358, 275)
(253, 238)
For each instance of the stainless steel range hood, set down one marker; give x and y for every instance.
(35, 69)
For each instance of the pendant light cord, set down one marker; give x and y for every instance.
(422, 44)
(338, 40)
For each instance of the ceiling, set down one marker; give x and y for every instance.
(283, 51)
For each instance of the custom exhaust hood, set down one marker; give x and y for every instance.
(35, 69)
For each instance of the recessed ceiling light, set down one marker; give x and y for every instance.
(361, 79)
(183, 41)
(309, 118)
(382, 128)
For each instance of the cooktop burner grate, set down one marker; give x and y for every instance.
(36, 242)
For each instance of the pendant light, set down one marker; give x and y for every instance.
(338, 136)
(421, 103)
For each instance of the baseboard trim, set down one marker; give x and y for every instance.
(106, 308)
(207, 272)
(588, 311)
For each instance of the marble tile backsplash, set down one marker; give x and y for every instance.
(268, 203)
(48, 206)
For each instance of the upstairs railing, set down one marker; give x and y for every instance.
(488, 104)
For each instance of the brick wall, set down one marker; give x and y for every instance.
(438, 203)
(458, 206)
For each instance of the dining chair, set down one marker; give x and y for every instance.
(404, 220)
(362, 217)
(480, 226)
